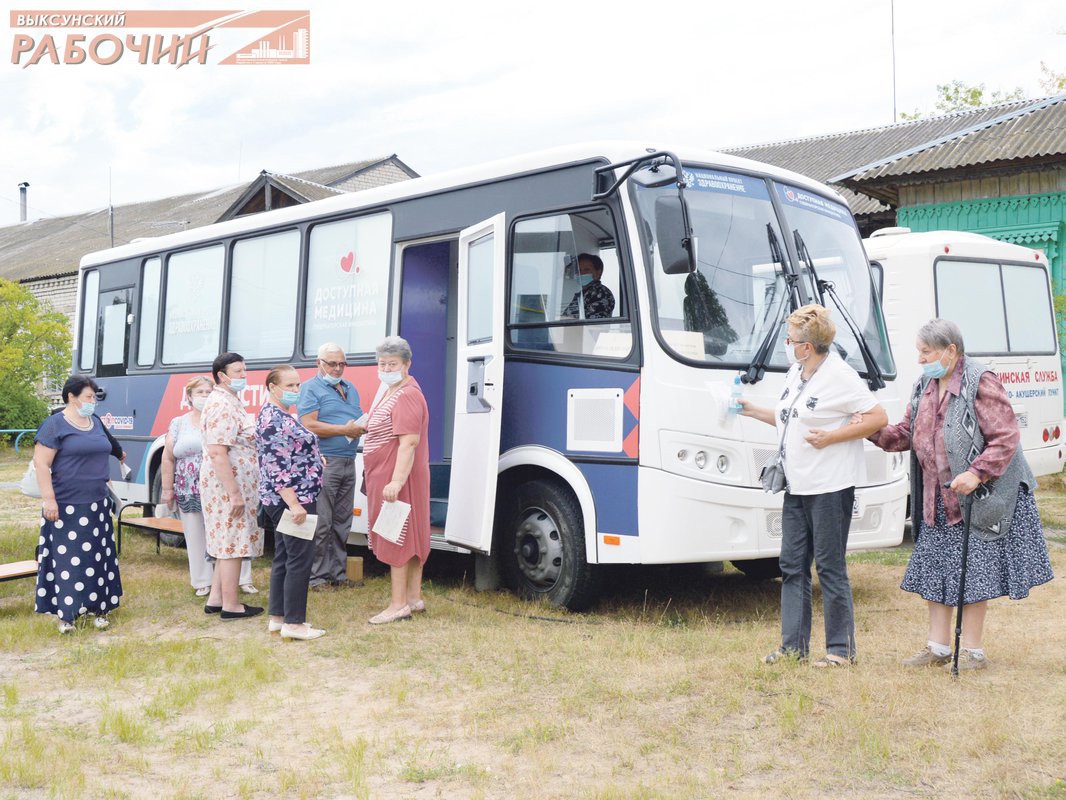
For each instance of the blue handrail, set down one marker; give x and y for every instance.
(20, 431)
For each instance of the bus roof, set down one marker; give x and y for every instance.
(612, 151)
(960, 243)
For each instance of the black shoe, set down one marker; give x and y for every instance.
(342, 583)
(211, 609)
(249, 611)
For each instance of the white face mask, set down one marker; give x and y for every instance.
(790, 353)
(199, 402)
(390, 378)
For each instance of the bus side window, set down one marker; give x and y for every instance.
(113, 338)
(565, 270)
(148, 314)
(90, 303)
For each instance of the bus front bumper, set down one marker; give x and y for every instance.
(686, 520)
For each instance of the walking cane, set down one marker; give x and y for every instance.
(967, 505)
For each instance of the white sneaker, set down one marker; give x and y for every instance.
(203, 591)
(65, 627)
(247, 588)
(274, 627)
(101, 623)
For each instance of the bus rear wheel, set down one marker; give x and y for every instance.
(541, 540)
(759, 569)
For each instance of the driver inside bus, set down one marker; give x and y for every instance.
(597, 298)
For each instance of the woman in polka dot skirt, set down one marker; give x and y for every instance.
(76, 555)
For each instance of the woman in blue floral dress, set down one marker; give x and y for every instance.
(290, 478)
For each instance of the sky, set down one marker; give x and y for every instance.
(448, 85)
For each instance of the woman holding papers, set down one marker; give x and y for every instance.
(396, 464)
(290, 478)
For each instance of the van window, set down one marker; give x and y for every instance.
(1030, 324)
(262, 297)
(1000, 308)
(193, 311)
(567, 293)
(348, 284)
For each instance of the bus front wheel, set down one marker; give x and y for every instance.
(541, 540)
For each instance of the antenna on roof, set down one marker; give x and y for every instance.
(892, 6)
(110, 210)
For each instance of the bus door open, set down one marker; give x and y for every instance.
(479, 385)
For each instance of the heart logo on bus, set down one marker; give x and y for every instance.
(347, 261)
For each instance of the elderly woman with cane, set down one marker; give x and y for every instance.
(963, 438)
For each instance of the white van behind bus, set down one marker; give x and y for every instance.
(1000, 296)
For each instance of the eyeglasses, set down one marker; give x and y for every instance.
(794, 341)
(331, 364)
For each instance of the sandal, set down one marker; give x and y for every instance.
(830, 660)
(783, 655)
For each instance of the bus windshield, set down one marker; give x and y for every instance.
(834, 254)
(721, 312)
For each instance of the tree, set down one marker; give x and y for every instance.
(34, 352)
(1052, 82)
(958, 96)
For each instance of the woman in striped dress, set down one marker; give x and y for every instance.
(396, 466)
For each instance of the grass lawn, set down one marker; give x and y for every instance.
(658, 693)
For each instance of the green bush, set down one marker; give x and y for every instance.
(34, 353)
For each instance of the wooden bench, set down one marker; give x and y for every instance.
(18, 569)
(156, 525)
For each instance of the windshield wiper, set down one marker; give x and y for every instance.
(874, 377)
(757, 368)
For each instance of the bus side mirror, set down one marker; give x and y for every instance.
(677, 246)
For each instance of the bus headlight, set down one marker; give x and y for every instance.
(723, 464)
(701, 459)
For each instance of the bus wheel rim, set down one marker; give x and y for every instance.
(539, 548)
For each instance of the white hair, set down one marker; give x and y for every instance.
(330, 347)
(941, 333)
(394, 346)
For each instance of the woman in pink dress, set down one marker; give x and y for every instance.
(396, 466)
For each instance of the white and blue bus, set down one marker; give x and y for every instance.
(560, 439)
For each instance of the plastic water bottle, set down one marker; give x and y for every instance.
(734, 396)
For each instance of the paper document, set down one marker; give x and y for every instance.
(305, 530)
(389, 524)
(125, 470)
(361, 422)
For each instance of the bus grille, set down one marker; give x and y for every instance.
(773, 524)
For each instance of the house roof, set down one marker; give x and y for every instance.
(1034, 132)
(53, 246)
(826, 157)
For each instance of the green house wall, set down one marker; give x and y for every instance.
(1034, 220)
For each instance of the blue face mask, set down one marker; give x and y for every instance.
(390, 378)
(330, 379)
(288, 398)
(87, 409)
(584, 280)
(238, 384)
(934, 370)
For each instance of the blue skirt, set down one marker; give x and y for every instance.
(78, 562)
(1008, 567)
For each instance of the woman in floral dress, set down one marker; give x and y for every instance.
(183, 454)
(229, 486)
